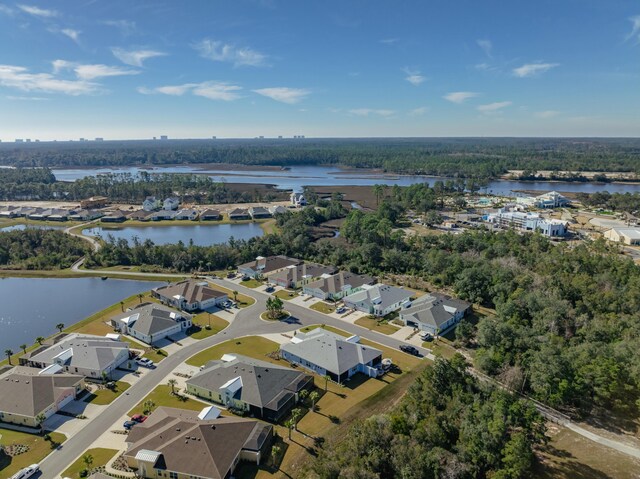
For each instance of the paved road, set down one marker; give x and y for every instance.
(247, 322)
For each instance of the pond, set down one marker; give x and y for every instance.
(202, 235)
(31, 307)
(20, 227)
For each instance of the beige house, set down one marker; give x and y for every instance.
(629, 236)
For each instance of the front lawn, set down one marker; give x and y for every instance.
(161, 396)
(285, 294)
(100, 455)
(253, 346)
(251, 283)
(375, 325)
(38, 449)
(242, 299)
(328, 328)
(202, 320)
(323, 307)
(105, 395)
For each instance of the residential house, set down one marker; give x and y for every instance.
(27, 393)
(629, 236)
(190, 295)
(162, 215)
(277, 210)
(84, 354)
(336, 286)
(116, 216)
(258, 212)
(140, 215)
(434, 313)
(151, 322)
(171, 203)
(94, 202)
(263, 266)
(38, 214)
(209, 215)
(239, 214)
(296, 276)
(8, 211)
(298, 200)
(85, 215)
(151, 203)
(180, 444)
(187, 214)
(378, 300)
(329, 354)
(58, 214)
(256, 387)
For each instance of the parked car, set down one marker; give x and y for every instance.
(129, 424)
(341, 310)
(26, 472)
(426, 336)
(139, 418)
(270, 289)
(147, 363)
(231, 275)
(405, 348)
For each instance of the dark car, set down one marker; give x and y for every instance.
(129, 424)
(139, 418)
(405, 348)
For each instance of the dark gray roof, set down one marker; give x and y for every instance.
(152, 318)
(191, 290)
(265, 265)
(263, 384)
(330, 351)
(434, 309)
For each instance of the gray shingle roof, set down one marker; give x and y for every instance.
(153, 318)
(295, 273)
(330, 351)
(434, 309)
(192, 291)
(336, 282)
(263, 384)
(380, 296)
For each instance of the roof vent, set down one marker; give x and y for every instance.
(177, 429)
(213, 426)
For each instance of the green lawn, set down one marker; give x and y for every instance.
(106, 396)
(101, 457)
(162, 396)
(251, 283)
(374, 325)
(202, 320)
(38, 449)
(253, 346)
(328, 328)
(323, 307)
(242, 299)
(156, 355)
(285, 294)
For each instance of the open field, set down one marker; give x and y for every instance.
(101, 456)
(254, 346)
(161, 396)
(38, 449)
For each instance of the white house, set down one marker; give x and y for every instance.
(171, 203)
(298, 199)
(151, 203)
(379, 299)
(187, 214)
(190, 295)
(336, 286)
(630, 236)
(434, 313)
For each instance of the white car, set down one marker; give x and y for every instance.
(26, 472)
(147, 363)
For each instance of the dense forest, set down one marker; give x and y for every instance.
(566, 328)
(629, 202)
(38, 249)
(448, 425)
(40, 183)
(464, 157)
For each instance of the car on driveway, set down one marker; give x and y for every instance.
(147, 363)
(139, 418)
(26, 472)
(341, 310)
(231, 275)
(426, 336)
(405, 348)
(270, 289)
(129, 424)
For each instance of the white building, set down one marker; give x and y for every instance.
(529, 222)
(298, 200)
(171, 203)
(151, 203)
(378, 299)
(151, 322)
(629, 236)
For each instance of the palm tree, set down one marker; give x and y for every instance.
(40, 418)
(303, 394)
(148, 406)
(88, 460)
(39, 340)
(60, 326)
(140, 297)
(235, 296)
(314, 396)
(295, 417)
(24, 348)
(172, 382)
(289, 425)
(122, 306)
(275, 452)
(8, 353)
(378, 191)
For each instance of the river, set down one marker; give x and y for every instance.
(31, 307)
(295, 177)
(202, 235)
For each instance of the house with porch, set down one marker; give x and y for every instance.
(239, 214)
(151, 322)
(210, 215)
(151, 203)
(296, 276)
(378, 300)
(263, 266)
(334, 287)
(434, 313)
(172, 203)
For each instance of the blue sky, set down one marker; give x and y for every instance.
(193, 69)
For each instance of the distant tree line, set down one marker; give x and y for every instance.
(448, 425)
(625, 202)
(38, 249)
(481, 158)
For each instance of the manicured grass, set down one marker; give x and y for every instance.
(372, 324)
(101, 457)
(285, 294)
(251, 283)
(323, 307)
(265, 316)
(242, 299)
(328, 328)
(106, 396)
(38, 449)
(162, 396)
(156, 355)
(440, 348)
(204, 319)
(253, 346)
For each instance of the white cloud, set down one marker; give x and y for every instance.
(26, 98)
(71, 33)
(20, 78)
(135, 58)
(532, 69)
(494, 107)
(486, 46)
(372, 111)
(127, 27)
(459, 96)
(91, 71)
(389, 41)
(6, 10)
(38, 12)
(284, 94)
(546, 114)
(414, 77)
(635, 28)
(210, 89)
(225, 52)
(418, 111)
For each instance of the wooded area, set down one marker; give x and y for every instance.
(38, 249)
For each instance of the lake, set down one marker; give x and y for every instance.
(21, 227)
(296, 177)
(202, 235)
(31, 307)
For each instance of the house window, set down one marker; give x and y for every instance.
(173, 475)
